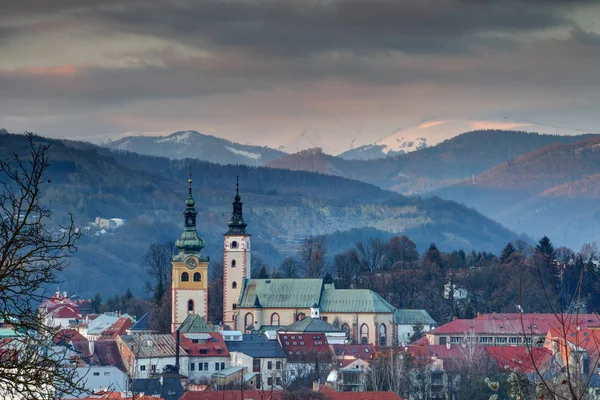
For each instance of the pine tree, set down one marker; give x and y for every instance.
(508, 251)
(96, 303)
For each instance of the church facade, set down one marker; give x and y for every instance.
(268, 304)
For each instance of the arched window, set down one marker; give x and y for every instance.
(382, 335)
(197, 277)
(249, 320)
(190, 306)
(346, 328)
(233, 264)
(364, 334)
(300, 316)
(275, 319)
(234, 245)
(234, 285)
(185, 277)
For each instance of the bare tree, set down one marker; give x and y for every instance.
(289, 268)
(371, 255)
(157, 261)
(32, 252)
(312, 255)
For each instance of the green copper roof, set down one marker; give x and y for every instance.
(412, 317)
(353, 300)
(189, 243)
(280, 293)
(194, 323)
(307, 325)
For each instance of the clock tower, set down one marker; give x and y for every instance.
(236, 261)
(189, 287)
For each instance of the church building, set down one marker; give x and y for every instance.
(268, 304)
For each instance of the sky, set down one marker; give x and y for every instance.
(305, 73)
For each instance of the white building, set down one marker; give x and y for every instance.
(145, 356)
(405, 320)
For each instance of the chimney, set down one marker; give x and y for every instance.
(454, 318)
(478, 314)
(314, 311)
(448, 345)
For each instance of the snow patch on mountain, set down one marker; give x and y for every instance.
(179, 137)
(248, 154)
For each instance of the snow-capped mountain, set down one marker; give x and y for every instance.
(431, 133)
(191, 144)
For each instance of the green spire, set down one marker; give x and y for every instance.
(237, 225)
(189, 243)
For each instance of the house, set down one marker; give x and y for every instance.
(405, 320)
(305, 354)
(120, 327)
(145, 356)
(206, 350)
(263, 358)
(98, 324)
(100, 365)
(315, 324)
(530, 362)
(59, 310)
(352, 363)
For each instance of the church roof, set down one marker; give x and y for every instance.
(194, 323)
(412, 317)
(281, 293)
(310, 325)
(353, 300)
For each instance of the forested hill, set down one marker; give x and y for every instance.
(281, 207)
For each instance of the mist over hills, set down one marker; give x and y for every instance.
(281, 207)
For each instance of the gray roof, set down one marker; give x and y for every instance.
(152, 346)
(257, 346)
(194, 323)
(142, 325)
(354, 300)
(412, 317)
(280, 293)
(310, 325)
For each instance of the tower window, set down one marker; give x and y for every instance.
(234, 306)
(185, 277)
(197, 277)
(234, 244)
(234, 285)
(233, 264)
(191, 305)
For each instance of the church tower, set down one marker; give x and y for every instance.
(189, 287)
(236, 261)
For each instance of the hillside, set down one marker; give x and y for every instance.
(552, 190)
(281, 207)
(191, 144)
(431, 168)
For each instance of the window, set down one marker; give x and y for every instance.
(234, 285)
(256, 365)
(107, 374)
(275, 319)
(500, 340)
(346, 328)
(196, 341)
(234, 245)
(233, 264)
(249, 320)
(192, 366)
(364, 334)
(191, 305)
(278, 365)
(153, 367)
(203, 351)
(216, 366)
(269, 365)
(234, 306)
(222, 365)
(528, 340)
(485, 340)
(200, 367)
(185, 277)
(514, 340)
(455, 339)
(443, 339)
(197, 277)
(206, 366)
(270, 381)
(278, 381)
(300, 316)
(142, 367)
(382, 335)
(96, 373)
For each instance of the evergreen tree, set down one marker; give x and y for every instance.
(418, 332)
(508, 251)
(96, 303)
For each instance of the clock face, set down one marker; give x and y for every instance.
(190, 263)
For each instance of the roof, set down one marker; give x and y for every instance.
(520, 358)
(333, 395)
(117, 329)
(209, 344)
(100, 323)
(68, 335)
(224, 373)
(152, 346)
(310, 325)
(280, 293)
(109, 395)
(66, 311)
(266, 328)
(305, 348)
(257, 346)
(353, 300)
(354, 351)
(413, 317)
(194, 323)
(494, 327)
(232, 395)
(57, 300)
(105, 353)
(142, 324)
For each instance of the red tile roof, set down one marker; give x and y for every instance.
(520, 358)
(66, 311)
(68, 335)
(117, 329)
(214, 346)
(56, 301)
(232, 395)
(333, 395)
(105, 353)
(306, 347)
(362, 351)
